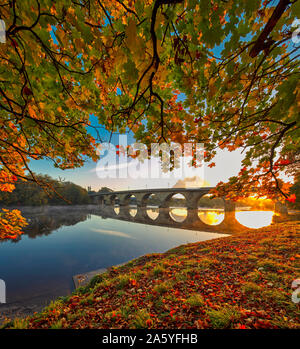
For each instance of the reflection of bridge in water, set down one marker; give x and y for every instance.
(106, 201)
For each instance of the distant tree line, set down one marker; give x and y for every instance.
(31, 194)
(101, 190)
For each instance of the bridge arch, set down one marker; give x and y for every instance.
(125, 199)
(210, 211)
(115, 203)
(129, 203)
(145, 198)
(113, 198)
(177, 207)
(150, 204)
(168, 197)
(191, 197)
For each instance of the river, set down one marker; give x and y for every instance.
(61, 242)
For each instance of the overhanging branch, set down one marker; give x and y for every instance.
(263, 41)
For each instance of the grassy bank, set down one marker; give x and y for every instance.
(242, 281)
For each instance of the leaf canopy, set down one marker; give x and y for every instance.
(127, 62)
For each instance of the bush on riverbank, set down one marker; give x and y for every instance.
(241, 281)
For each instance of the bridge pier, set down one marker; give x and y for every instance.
(192, 216)
(142, 213)
(229, 212)
(230, 222)
(281, 212)
(124, 212)
(164, 216)
(96, 200)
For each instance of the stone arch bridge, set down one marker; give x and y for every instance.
(106, 201)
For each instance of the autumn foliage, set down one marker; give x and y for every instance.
(225, 73)
(11, 224)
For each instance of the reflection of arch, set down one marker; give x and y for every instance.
(177, 209)
(192, 220)
(255, 212)
(128, 207)
(151, 208)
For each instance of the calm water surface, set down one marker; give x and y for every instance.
(59, 245)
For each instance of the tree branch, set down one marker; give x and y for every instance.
(261, 43)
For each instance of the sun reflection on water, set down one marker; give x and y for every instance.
(248, 218)
(211, 217)
(178, 213)
(254, 219)
(153, 212)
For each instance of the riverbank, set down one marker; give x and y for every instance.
(241, 281)
(24, 308)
